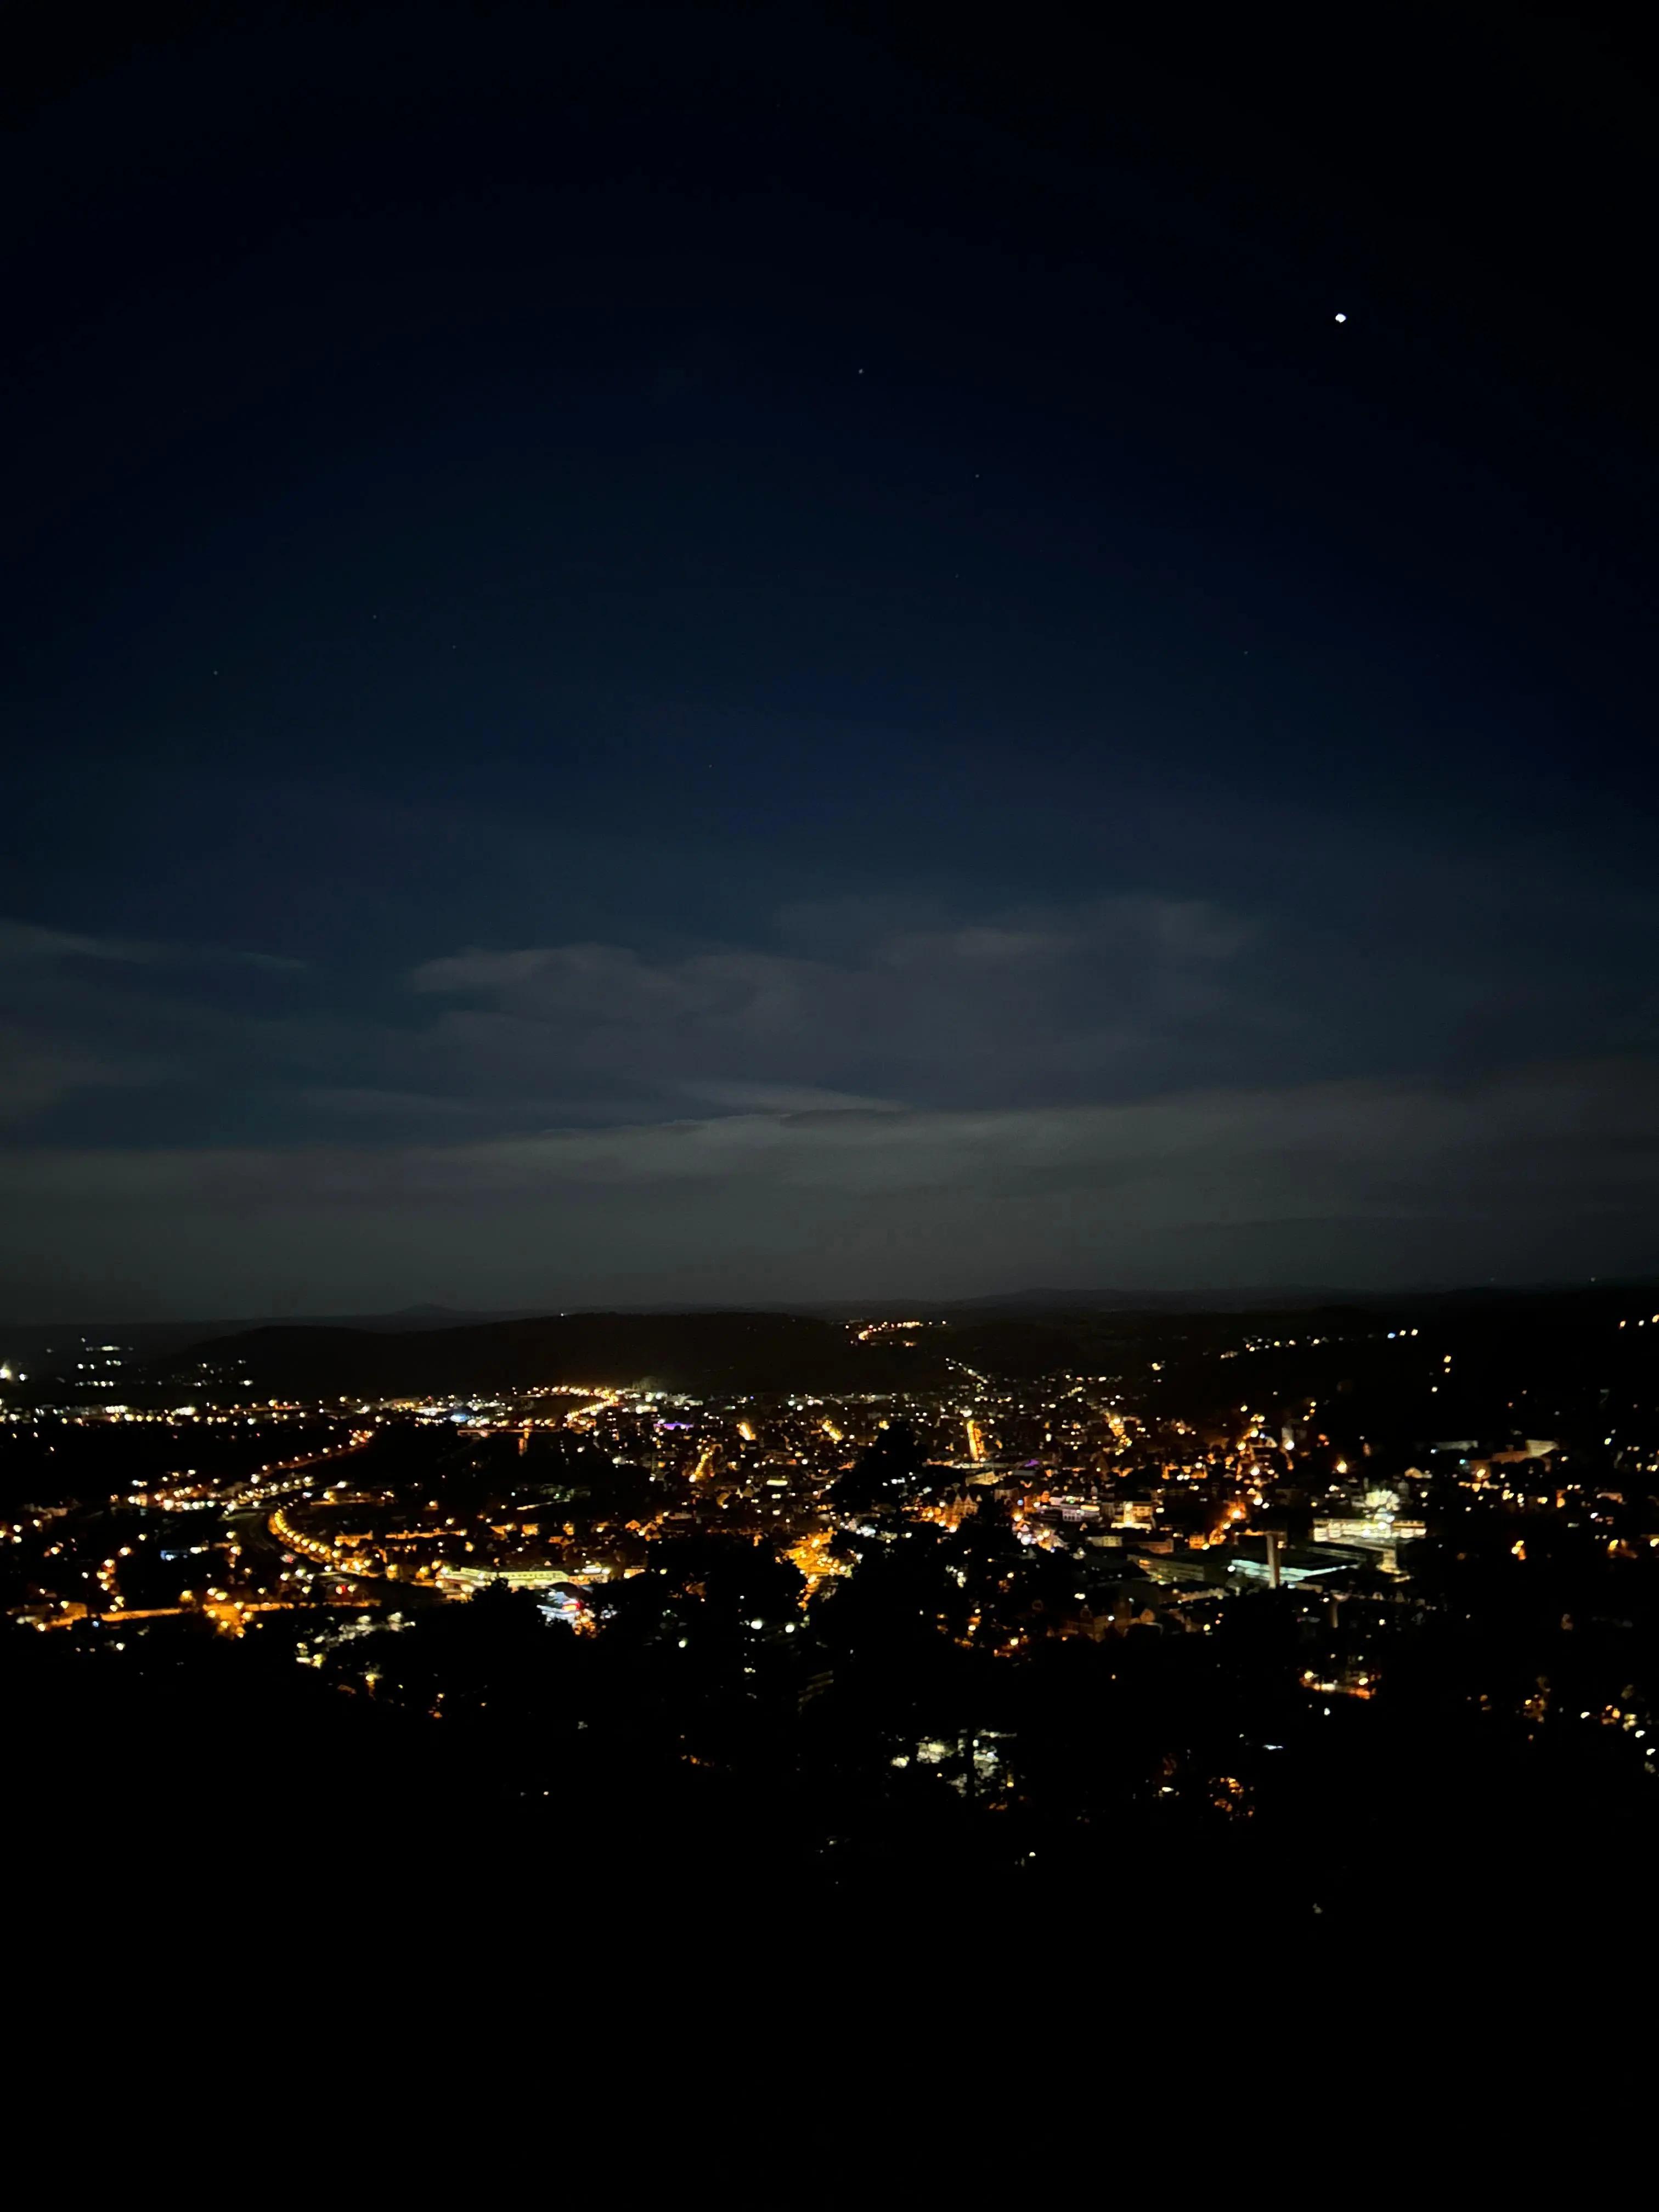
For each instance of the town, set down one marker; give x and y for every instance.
(1037, 1615)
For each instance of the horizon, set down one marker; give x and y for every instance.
(1053, 1298)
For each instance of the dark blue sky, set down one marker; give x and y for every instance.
(785, 654)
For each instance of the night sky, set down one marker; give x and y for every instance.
(777, 654)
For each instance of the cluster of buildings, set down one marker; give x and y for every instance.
(1072, 1506)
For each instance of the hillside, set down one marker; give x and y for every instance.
(699, 1352)
(710, 1354)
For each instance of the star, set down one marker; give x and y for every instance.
(1341, 319)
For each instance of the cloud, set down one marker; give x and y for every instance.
(27, 944)
(883, 1097)
(1543, 1171)
(34, 1076)
(362, 1102)
(83, 1013)
(1018, 1006)
(779, 1098)
(24, 944)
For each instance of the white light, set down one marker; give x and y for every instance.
(1341, 319)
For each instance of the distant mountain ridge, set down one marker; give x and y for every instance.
(758, 1352)
(28, 1342)
(1291, 1299)
(765, 1348)
(766, 1352)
